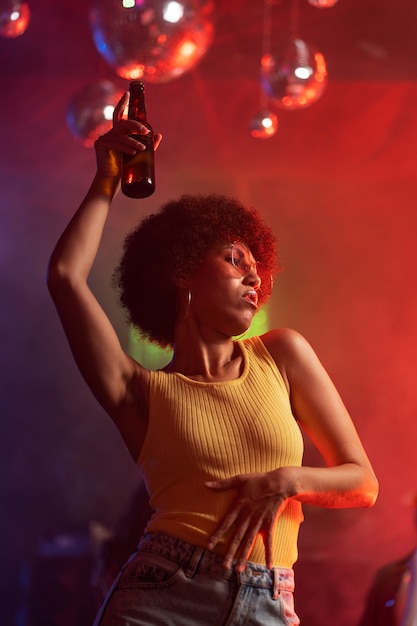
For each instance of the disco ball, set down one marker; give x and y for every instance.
(152, 40)
(90, 111)
(323, 4)
(296, 78)
(14, 18)
(264, 125)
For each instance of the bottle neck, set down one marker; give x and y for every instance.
(137, 109)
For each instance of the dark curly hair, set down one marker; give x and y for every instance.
(171, 244)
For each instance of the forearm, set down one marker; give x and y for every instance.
(77, 247)
(342, 486)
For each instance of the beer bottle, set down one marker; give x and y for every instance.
(138, 170)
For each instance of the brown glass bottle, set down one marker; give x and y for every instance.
(138, 170)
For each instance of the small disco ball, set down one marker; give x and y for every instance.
(323, 4)
(297, 78)
(152, 40)
(90, 111)
(14, 18)
(264, 125)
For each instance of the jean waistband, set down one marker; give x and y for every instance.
(196, 559)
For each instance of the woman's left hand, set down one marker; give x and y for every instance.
(123, 138)
(260, 499)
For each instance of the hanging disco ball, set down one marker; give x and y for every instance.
(90, 111)
(152, 40)
(323, 4)
(296, 78)
(264, 125)
(14, 18)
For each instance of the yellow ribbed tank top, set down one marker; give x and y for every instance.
(201, 431)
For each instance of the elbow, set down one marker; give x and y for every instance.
(57, 278)
(374, 495)
(370, 491)
(54, 277)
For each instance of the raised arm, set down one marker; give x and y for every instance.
(116, 380)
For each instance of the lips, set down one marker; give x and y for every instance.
(252, 297)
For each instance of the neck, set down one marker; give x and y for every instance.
(216, 360)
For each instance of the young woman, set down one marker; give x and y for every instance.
(217, 432)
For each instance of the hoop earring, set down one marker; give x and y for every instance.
(187, 307)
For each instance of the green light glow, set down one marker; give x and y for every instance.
(148, 354)
(152, 357)
(259, 326)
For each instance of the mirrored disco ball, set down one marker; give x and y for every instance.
(296, 78)
(152, 40)
(323, 4)
(90, 111)
(264, 125)
(14, 18)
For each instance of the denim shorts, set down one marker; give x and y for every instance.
(170, 582)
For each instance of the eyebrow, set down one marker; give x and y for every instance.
(238, 244)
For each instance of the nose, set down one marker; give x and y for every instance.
(252, 278)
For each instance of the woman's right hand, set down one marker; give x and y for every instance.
(118, 140)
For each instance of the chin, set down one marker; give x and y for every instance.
(238, 325)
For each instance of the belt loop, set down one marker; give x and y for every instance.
(275, 594)
(194, 561)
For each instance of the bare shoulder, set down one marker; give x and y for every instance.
(285, 339)
(289, 349)
(313, 394)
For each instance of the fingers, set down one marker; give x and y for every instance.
(125, 136)
(224, 527)
(252, 513)
(226, 483)
(239, 547)
(242, 544)
(157, 140)
(269, 562)
(247, 549)
(120, 107)
(119, 144)
(242, 540)
(117, 138)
